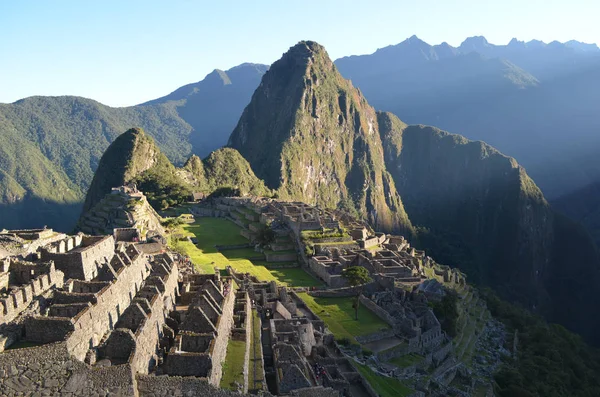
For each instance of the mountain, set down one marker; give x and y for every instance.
(514, 97)
(131, 155)
(313, 137)
(134, 158)
(213, 106)
(33, 190)
(583, 205)
(309, 134)
(479, 210)
(51, 146)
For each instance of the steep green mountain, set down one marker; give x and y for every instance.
(61, 139)
(312, 136)
(514, 97)
(223, 168)
(23, 170)
(134, 158)
(227, 168)
(477, 209)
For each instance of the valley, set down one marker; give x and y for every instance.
(417, 221)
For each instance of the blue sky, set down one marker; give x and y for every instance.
(127, 52)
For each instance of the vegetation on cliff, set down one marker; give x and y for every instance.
(60, 141)
(227, 168)
(312, 136)
(134, 157)
(478, 210)
(549, 360)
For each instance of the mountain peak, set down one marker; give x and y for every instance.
(218, 76)
(581, 46)
(133, 133)
(132, 153)
(516, 43)
(298, 129)
(306, 49)
(414, 40)
(474, 43)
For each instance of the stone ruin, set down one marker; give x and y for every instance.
(123, 207)
(200, 328)
(25, 241)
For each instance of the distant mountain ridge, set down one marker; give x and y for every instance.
(512, 96)
(213, 106)
(51, 146)
(313, 137)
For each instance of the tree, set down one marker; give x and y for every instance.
(357, 276)
(265, 235)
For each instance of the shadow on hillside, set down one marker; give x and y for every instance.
(34, 212)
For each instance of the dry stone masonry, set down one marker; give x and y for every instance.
(116, 313)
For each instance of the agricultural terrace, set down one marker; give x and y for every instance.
(213, 232)
(338, 315)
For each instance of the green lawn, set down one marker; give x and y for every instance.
(233, 367)
(243, 253)
(384, 386)
(407, 360)
(219, 231)
(255, 384)
(338, 315)
(296, 277)
(215, 231)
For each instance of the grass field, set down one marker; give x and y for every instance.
(384, 386)
(233, 367)
(407, 360)
(242, 253)
(218, 231)
(255, 368)
(296, 277)
(338, 315)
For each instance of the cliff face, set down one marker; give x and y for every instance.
(223, 168)
(312, 136)
(227, 168)
(479, 210)
(132, 153)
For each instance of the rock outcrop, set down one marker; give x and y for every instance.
(120, 209)
(132, 153)
(312, 136)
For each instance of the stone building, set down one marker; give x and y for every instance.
(203, 329)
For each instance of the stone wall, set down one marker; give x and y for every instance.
(374, 336)
(369, 242)
(396, 351)
(281, 257)
(18, 300)
(82, 262)
(91, 324)
(149, 333)
(177, 386)
(340, 292)
(220, 343)
(248, 326)
(380, 312)
(50, 370)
